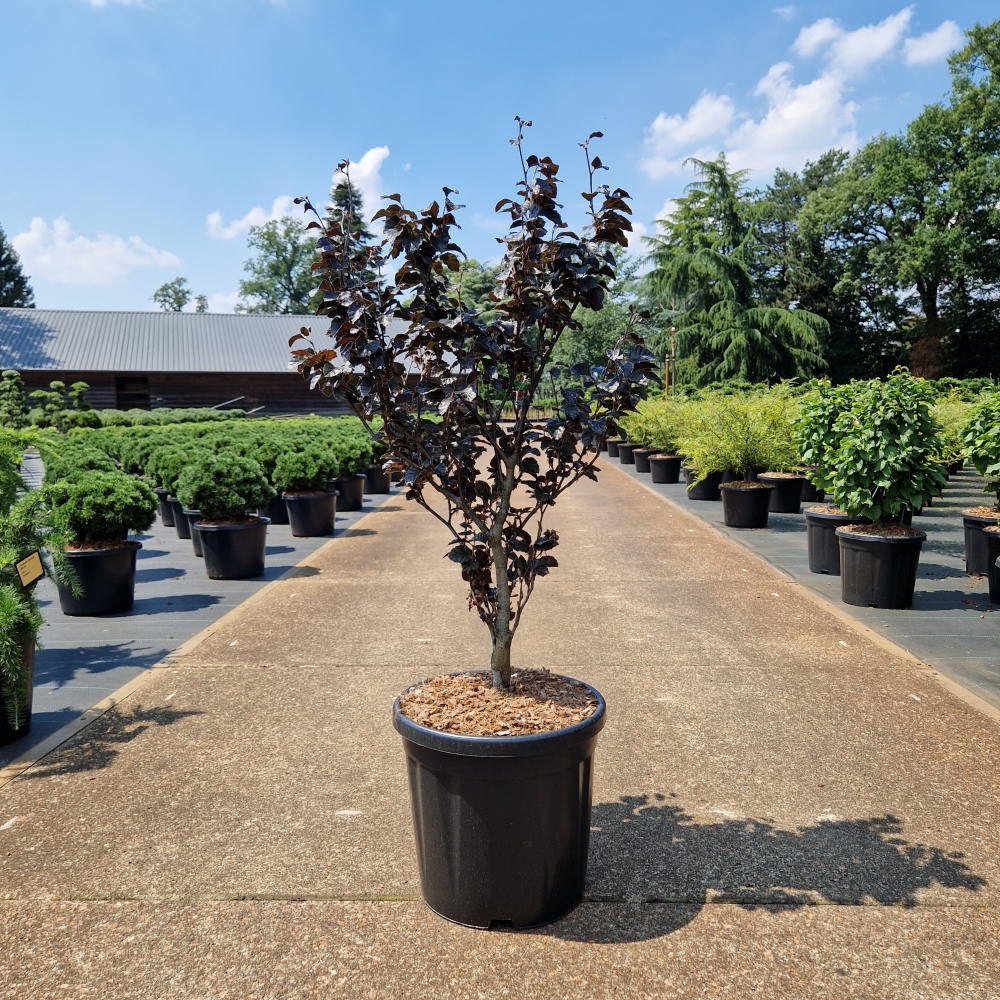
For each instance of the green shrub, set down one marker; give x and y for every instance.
(655, 424)
(224, 486)
(19, 623)
(70, 461)
(304, 470)
(981, 441)
(13, 408)
(816, 432)
(50, 408)
(951, 413)
(166, 463)
(888, 442)
(97, 506)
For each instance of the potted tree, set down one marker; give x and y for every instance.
(223, 488)
(164, 467)
(501, 808)
(93, 513)
(354, 460)
(301, 477)
(884, 466)
(981, 441)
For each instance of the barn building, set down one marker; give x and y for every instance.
(153, 359)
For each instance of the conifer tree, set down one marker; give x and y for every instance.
(13, 406)
(14, 287)
(347, 203)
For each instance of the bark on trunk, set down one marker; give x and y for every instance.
(500, 661)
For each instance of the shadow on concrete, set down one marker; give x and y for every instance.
(59, 668)
(356, 532)
(648, 850)
(297, 572)
(158, 573)
(98, 745)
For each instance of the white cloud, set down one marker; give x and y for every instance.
(933, 45)
(124, 3)
(281, 206)
(222, 302)
(670, 135)
(635, 237)
(60, 255)
(801, 121)
(366, 176)
(785, 12)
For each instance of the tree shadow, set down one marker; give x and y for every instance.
(169, 605)
(59, 667)
(935, 571)
(158, 573)
(651, 851)
(952, 600)
(355, 532)
(98, 745)
(297, 572)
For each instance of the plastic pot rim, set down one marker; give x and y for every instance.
(917, 536)
(499, 746)
(80, 553)
(256, 522)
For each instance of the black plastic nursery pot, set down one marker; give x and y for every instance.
(7, 732)
(181, 525)
(877, 571)
(276, 511)
(166, 509)
(976, 555)
(351, 490)
(822, 541)
(665, 468)
(786, 497)
(312, 514)
(707, 489)
(956, 467)
(625, 452)
(376, 480)
(107, 577)
(613, 447)
(745, 505)
(732, 476)
(193, 517)
(502, 823)
(810, 494)
(641, 458)
(234, 551)
(991, 536)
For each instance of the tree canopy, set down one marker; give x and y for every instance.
(15, 291)
(280, 279)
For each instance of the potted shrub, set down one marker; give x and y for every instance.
(981, 441)
(223, 488)
(509, 839)
(991, 536)
(301, 476)
(93, 513)
(164, 467)
(884, 467)
(817, 436)
(354, 460)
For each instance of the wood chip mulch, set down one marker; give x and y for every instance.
(885, 529)
(982, 512)
(104, 543)
(469, 705)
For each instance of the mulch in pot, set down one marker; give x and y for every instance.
(103, 543)
(885, 529)
(467, 704)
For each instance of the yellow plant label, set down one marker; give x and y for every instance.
(29, 569)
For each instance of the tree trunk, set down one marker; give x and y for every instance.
(500, 661)
(925, 355)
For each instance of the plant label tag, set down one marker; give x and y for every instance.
(30, 569)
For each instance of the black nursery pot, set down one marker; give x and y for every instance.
(786, 497)
(193, 517)
(351, 490)
(502, 823)
(707, 489)
(810, 494)
(181, 525)
(976, 554)
(625, 450)
(878, 571)
(276, 511)
(234, 551)
(312, 515)
(107, 577)
(376, 480)
(7, 732)
(992, 538)
(745, 506)
(822, 541)
(641, 458)
(166, 508)
(665, 468)
(613, 444)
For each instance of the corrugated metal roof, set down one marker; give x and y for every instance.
(71, 340)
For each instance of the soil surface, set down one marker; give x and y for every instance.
(884, 529)
(222, 521)
(740, 484)
(824, 508)
(103, 543)
(469, 705)
(982, 512)
(781, 475)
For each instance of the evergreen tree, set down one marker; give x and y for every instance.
(13, 406)
(14, 287)
(347, 207)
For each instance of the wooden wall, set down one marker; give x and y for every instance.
(278, 393)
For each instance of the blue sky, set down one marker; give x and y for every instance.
(140, 138)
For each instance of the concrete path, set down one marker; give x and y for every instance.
(782, 807)
(952, 625)
(84, 660)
